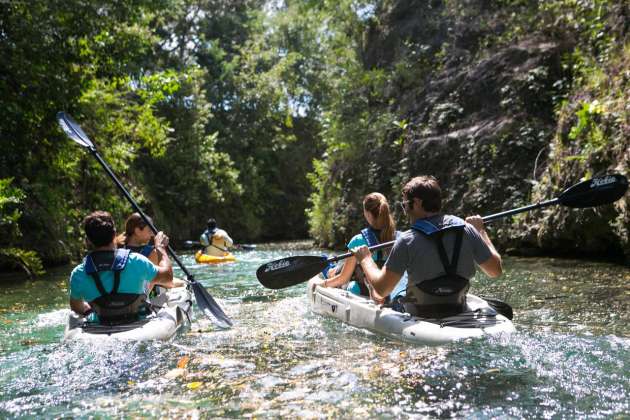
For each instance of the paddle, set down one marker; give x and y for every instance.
(244, 247)
(206, 302)
(290, 271)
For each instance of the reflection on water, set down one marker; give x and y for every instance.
(569, 358)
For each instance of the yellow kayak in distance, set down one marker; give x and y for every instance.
(202, 258)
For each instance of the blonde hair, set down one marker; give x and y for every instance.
(376, 204)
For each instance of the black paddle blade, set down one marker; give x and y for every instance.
(290, 271)
(501, 307)
(210, 307)
(73, 130)
(595, 192)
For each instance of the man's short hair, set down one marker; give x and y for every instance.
(427, 189)
(99, 228)
(212, 224)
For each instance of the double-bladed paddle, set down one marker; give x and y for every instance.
(206, 302)
(290, 271)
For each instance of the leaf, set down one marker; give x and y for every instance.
(183, 362)
(194, 385)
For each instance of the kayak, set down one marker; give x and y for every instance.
(174, 313)
(202, 258)
(361, 312)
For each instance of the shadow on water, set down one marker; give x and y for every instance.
(569, 357)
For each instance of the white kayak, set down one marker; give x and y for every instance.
(174, 313)
(361, 312)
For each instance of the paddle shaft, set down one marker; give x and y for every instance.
(486, 219)
(137, 208)
(496, 216)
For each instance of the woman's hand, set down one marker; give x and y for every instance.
(360, 253)
(161, 240)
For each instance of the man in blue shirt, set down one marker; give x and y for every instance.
(107, 272)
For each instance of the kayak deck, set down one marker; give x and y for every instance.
(359, 311)
(174, 314)
(202, 258)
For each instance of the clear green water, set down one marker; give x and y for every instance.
(570, 357)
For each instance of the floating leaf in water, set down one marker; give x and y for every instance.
(194, 385)
(183, 362)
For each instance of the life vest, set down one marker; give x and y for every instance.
(112, 307)
(371, 238)
(207, 239)
(445, 294)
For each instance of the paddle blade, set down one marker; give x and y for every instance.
(595, 192)
(290, 271)
(73, 130)
(210, 307)
(501, 307)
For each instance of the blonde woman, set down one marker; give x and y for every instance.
(381, 228)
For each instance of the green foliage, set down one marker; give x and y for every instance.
(222, 107)
(11, 198)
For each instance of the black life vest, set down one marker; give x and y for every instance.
(112, 307)
(445, 294)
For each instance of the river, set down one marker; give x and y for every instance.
(570, 356)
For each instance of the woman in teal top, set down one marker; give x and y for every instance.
(381, 228)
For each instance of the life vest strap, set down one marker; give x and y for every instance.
(449, 283)
(112, 307)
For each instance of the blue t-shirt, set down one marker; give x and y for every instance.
(135, 278)
(401, 287)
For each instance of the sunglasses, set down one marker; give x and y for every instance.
(404, 205)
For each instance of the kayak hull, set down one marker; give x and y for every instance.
(202, 258)
(174, 315)
(362, 312)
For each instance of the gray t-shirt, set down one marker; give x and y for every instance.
(417, 254)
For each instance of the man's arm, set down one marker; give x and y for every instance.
(80, 306)
(493, 266)
(228, 241)
(382, 280)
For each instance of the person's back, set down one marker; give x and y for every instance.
(428, 270)
(113, 282)
(97, 285)
(216, 241)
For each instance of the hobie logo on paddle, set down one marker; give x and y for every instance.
(600, 182)
(277, 265)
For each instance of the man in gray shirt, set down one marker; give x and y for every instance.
(439, 254)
